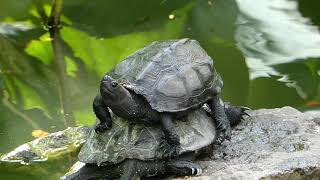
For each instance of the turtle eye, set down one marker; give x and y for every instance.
(114, 84)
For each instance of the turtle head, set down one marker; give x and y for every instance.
(111, 89)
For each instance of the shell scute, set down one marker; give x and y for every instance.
(171, 87)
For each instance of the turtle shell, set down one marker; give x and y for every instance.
(173, 75)
(139, 141)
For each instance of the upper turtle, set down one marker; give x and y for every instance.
(173, 75)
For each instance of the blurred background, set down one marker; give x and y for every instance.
(267, 53)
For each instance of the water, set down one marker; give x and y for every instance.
(267, 53)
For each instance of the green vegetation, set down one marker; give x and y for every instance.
(53, 54)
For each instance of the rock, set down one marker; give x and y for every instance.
(277, 144)
(271, 144)
(47, 157)
(49, 147)
(74, 168)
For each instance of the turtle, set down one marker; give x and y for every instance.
(129, 150)
(161, 82)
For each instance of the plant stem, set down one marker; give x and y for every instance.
(10, 106)
(59, 62)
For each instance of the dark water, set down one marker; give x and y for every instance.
(266, 51)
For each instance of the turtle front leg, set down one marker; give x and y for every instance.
(223, 123)
(170, 146)
(103, 114)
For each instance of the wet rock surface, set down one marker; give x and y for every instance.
(271, 144)
(55, 145)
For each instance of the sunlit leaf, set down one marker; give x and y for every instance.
(101, 54)
(39, 133)
(71, 67)
(30, 97)
(41, 49)
(35, 91)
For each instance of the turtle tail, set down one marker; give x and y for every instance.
(235, 113)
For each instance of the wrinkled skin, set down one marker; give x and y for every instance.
(131, 106)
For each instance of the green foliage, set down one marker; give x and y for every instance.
(109, 18)
(14, 11)
(40, 92)
(49, 83)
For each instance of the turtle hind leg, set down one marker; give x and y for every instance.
(223, 124)
(170, 145)
(91, 171)
(183, 168)
(130, 170)
(134, 169)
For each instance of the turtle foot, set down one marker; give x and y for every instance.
(101, 127)
(235, 113)
(183, 168)
(243, 111)
(223, 131)
(168, 150)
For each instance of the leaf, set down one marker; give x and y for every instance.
(39, 133)
(112, 18)
(35, 91)
(101, 54)
(14, 10)
(41, 49)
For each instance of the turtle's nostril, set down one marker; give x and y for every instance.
(106, 77)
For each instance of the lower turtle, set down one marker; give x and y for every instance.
(129, 151)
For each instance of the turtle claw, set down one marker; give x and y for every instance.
(243, 111)
(223, 132)
(222, 135)
(168, 150)
(101, 127)
(234, 114)
(181, 167)
(244, 108)
(220, 139)
(196, 171)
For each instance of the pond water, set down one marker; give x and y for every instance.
(267, 52)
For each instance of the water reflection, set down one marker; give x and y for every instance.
(278, 41)
(274, 32)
